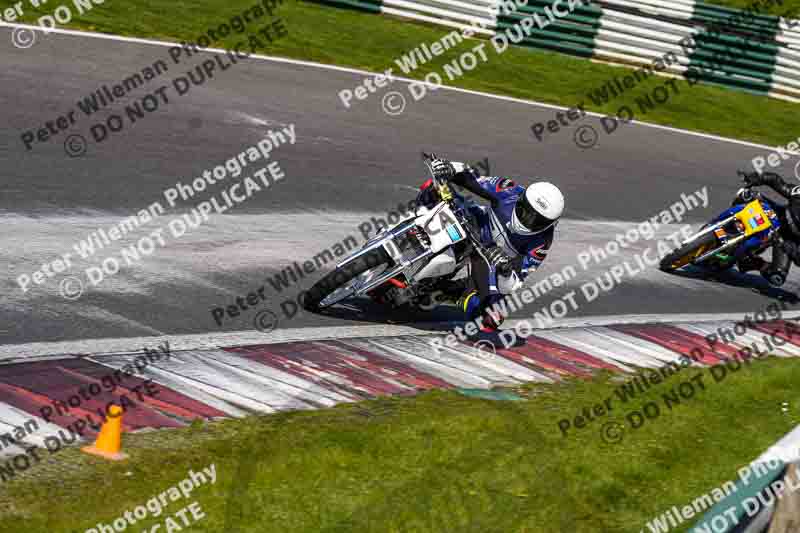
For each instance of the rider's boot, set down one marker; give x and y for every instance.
(774, 277)
(474, 309)
(774, 273)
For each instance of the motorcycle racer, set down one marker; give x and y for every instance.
(516, 229)
(786, 250)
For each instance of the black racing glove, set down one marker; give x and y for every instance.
(442, 169)
(752, 179)
(499, 260)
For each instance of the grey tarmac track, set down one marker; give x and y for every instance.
(347, 166)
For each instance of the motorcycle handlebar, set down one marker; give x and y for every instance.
(428, 159)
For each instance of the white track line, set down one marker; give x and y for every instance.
(15, 353)
(368, 73)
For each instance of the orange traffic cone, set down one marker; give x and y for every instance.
(109, 441)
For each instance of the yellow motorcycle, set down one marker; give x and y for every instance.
(746, 229)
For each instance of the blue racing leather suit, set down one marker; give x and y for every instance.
(527, 252)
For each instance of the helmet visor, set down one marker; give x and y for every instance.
(529, 217)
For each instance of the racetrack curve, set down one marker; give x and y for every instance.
(346, 166)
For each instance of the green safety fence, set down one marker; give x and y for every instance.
(741, 49)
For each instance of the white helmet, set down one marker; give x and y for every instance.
(538, 209)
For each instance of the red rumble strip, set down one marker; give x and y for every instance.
(678, 340)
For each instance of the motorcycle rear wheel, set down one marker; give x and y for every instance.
(688, 252)
(344, 276)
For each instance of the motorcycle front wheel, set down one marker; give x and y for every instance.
(344, 281)
(688, 252)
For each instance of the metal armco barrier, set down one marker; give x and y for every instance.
(742, 49)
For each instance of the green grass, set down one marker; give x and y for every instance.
(372, 42)
(783, 8)
(437, 462)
